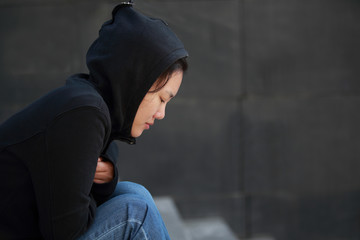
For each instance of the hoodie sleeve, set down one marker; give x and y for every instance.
(74, 142)
(102, 192)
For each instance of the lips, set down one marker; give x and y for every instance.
(147, 125)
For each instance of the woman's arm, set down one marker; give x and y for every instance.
(73, 144)
(103, 186)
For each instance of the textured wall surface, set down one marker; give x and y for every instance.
(264, 130)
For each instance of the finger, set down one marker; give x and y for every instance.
(103, 175)
(101, 167)
(98, 181)
(102, 178)
(105, 167)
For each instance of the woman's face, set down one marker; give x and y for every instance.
(153, 105)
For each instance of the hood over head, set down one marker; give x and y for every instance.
(131, 52)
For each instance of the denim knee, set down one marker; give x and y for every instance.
(122, 217)
(131, 211)
(134, 189)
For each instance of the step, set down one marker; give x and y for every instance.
(172, 218)
(214, 228)
(265, 237)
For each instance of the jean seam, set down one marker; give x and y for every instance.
(145, 235)
(122, 224)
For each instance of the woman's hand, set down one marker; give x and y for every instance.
(104, 171)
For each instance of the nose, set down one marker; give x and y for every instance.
(160, 114)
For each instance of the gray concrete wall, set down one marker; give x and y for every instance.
(264, 130)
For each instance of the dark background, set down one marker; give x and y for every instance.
(265, 129)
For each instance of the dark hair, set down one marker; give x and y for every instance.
(180, 65)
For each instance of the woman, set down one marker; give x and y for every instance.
(58, 176)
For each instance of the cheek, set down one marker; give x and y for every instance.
(146, 110)
(150, 110)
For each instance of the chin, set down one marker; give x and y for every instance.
(136, 134)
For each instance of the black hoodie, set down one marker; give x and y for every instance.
(49, 150)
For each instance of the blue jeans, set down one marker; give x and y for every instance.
(130, 213)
